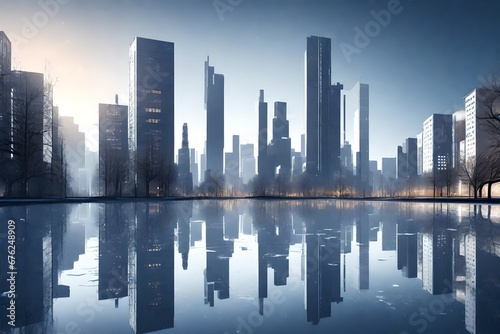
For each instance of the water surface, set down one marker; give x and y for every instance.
(253, 266)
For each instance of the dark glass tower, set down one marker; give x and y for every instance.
(214, 105)
(151, 106)
(322, 109)
(185, 176)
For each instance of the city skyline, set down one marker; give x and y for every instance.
(397, 62)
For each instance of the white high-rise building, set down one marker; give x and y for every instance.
(476, 134)
(437, 143)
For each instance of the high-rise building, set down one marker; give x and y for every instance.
(411, 150)
(184, 165)
(232, 165)
(401, 167)
(27, 135)
(406, 161)
(247, 162)
(389, 168)
(477, 136)
(357, 104)
(303, 145)
(420, 153)
(437, 143)
(322, 109)
(262, 157)
(194, 167)
(279, 151)
(74, 150)
(458, 138)
(113, 148)
(5, 99)
(214, 105)
(151, 113)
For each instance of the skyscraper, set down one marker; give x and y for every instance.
(477, 136)
(279, 151)
(151, 113)
(323, 103)
(113, 148)
(232, 164)
(27, 121)
(357, 103)
(185, 176)
(262, 158)
(437, 143)
(247, 162)
(214, 105)
(194, 167)
(5, 100)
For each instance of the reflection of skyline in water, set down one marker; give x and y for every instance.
(451, 250)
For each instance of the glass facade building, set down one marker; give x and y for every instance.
(151, 103)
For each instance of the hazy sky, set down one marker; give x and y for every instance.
(423, 61)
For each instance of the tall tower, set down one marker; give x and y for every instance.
(214, 105)
(262, 160)
(279, 151)
(151, 108)
(322, 109)
(5, 100)
(357, 101)
(185, 176)
(113, 148)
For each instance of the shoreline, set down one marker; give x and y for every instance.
(102, 199)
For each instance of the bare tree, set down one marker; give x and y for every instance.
(147, 171)
(167, 177)
(475, 170)
(259, 186)
(24, 157)
(113, 171)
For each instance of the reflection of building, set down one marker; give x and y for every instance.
(437, 269)
(219, 251)
(33, 270)
(113, 253)
(363, 239)
(273, 249)
(407, 248)
(185, 212)
(322, 267)
(151, 263)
